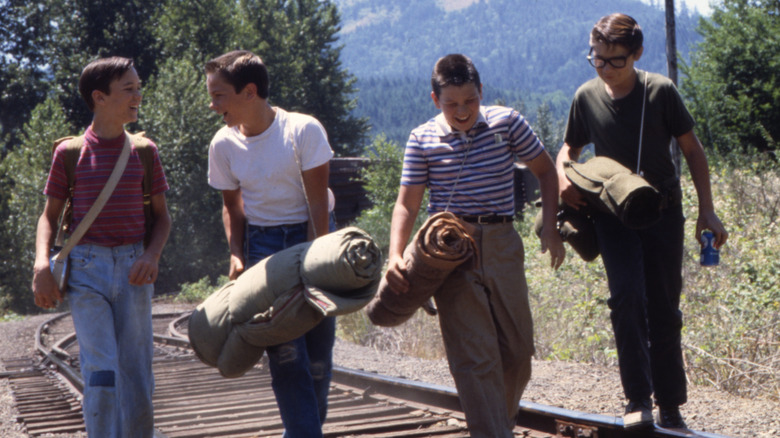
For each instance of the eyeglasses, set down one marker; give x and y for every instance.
(599, 62)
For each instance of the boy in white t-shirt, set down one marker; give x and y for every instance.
(272, 167)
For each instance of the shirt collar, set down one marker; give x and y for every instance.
(444, 129)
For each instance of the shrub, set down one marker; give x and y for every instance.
(199, 290)
(732, 311)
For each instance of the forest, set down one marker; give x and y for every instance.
(528, 53)
(362, 68)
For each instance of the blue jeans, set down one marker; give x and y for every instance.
(301, 369)
(644, 272)
(113, 322)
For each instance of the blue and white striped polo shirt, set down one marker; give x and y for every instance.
(435, 154)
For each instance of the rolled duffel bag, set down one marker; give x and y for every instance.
(613, 188)
(576, 228)
(441, 245)
(284, 296)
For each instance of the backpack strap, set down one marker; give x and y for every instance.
(72, 154)
(146, 155)
(73, 146)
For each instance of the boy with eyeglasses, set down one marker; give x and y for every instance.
(643, 266)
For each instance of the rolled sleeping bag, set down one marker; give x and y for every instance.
(284, 296)
(442, 244)
(613, 188)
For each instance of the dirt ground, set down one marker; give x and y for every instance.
(575, 386)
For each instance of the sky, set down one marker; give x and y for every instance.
(702, 6)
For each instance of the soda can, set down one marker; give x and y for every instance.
(710, 256)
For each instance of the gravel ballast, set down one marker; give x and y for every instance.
(575, 386)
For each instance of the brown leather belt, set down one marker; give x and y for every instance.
(487, 219)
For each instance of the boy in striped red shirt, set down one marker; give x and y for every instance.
(112, 274)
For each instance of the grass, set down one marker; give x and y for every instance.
(731, 311)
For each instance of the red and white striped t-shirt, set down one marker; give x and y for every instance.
(121, 221)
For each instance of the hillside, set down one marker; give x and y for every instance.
(527, 51)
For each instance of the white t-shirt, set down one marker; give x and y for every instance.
(265, 169)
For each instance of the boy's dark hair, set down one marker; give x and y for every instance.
(99, 74)
(619, 29)
(454, 69)
(239, 68)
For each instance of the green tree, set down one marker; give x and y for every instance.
(23, 175)
(297, 40)
(83, 30)
(197, 31)
(549, 130)
(732, 80)
(175, 114)
(381, 180)
(169, 44)
(23, 33)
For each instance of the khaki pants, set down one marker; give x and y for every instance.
(486, 324)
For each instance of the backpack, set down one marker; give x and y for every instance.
(73, 152)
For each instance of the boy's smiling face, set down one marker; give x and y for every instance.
(459, 104)
(224, 100)
(121, 104)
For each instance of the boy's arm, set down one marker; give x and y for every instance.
(315, 183)
(700, 174)
(405, 211)
(567, 191)
(146, 267)
(234, 221)
(47, 294)
(543, 168)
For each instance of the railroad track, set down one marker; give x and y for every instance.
(192, 400)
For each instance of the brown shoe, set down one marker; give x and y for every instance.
(639, 414)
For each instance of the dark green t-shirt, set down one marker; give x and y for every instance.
(613, 125)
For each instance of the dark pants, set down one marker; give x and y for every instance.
(300, 369)
(644, 271)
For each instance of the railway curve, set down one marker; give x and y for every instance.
(193, 400)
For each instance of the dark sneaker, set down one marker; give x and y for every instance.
(639, 413)
(669, 417)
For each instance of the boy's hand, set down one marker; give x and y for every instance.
(570, 194)
(144, 270)
(236, 267)
(47, 294)
(551, 240)
(710, 221)
(396, 275)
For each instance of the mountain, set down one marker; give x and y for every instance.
(527, 51)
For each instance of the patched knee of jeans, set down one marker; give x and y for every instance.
(287, 353)
(318, 370)
(101, 378)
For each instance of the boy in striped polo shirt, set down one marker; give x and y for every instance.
(112, 274)
(465, 157)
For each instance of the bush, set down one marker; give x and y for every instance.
(199, 290)
(732, 311)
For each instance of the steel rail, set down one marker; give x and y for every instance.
(429, 404)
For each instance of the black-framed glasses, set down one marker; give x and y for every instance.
(599, 62)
